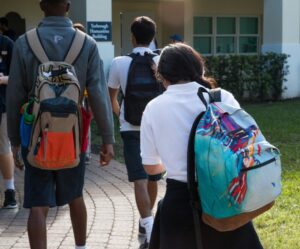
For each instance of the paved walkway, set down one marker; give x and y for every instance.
(112, 213)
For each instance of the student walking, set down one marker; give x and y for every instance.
(6, 158)
(48, 188)
(126, 74)
(165, 129)
(5, 30)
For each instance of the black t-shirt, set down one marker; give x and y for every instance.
(10, 34)
(6, 47)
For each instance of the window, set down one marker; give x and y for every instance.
(248, 35)
(226, 35)
(225, 38)
(204, 30)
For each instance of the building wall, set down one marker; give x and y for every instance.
(31, 12)
(281, 35)
(229, 7)
(279, 22)
(163, 13)
(29, 9)
(223, 8)
(161, 10)
(122, 6)
(78, 11)
(273, 34)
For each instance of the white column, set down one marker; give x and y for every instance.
(282, 35)
(99, 25)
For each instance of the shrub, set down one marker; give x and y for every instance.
(250, 77)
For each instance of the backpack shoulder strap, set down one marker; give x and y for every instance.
(192, 183)
(215, 95)
(36, 46)
(151, 55)
(76, 47)
(133, 55)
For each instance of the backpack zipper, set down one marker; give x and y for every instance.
(32, 132)
(46, 140)
(51, 83)
(259, 165)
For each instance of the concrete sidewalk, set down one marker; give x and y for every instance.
(112, 213)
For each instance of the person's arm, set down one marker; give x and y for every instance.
(100, 105)
(113, 93)
(114, 84)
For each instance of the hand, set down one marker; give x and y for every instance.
(106, 154)
(16, 150)
(3, 79)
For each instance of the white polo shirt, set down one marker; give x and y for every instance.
(166, 125)
(118, 78)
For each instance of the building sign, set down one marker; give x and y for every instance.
(100, 31)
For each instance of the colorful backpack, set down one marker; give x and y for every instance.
(141, 87)
(234, 174)
(55, 139)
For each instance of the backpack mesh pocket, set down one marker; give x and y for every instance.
(57, 143)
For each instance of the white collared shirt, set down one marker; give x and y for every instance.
(166, 125)
(118, 78)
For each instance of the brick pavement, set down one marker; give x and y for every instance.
(112, 213)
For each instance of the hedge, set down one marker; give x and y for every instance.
(250, 77)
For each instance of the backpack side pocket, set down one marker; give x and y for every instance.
(26, 123)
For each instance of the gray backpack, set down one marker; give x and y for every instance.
(56, 130)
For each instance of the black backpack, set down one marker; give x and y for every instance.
(141, 87)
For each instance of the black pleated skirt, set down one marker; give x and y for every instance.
(174, 226)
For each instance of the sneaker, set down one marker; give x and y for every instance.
(87, 160)
(144, 245)
(10, 199)
(142, 230)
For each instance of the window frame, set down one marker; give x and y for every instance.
(236, 36)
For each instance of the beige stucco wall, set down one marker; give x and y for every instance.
(78, 11)
(168, 16)
(122, 6)
(228, 7)
(223, 8)
(28, 9)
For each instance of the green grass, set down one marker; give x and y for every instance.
(279, 228)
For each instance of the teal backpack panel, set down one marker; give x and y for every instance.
(237, 170)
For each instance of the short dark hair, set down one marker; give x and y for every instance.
(180, 62)
(4, 21)
(143, 29)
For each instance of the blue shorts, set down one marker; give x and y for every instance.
(47, 188)
(132, 156)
